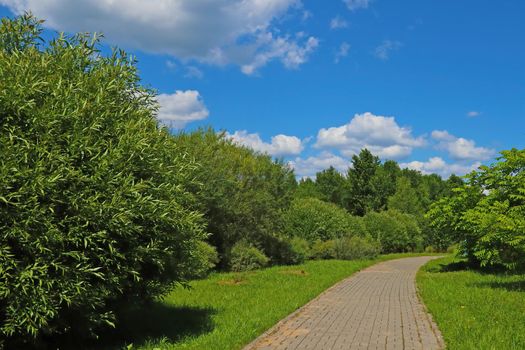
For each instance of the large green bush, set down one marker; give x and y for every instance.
(93, 195)
(395, 231)
(243, 193)
(352, 248)
(313, 219)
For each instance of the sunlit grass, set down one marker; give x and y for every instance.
(228, 310)
(474, 310)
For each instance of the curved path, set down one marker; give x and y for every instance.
(377, 308)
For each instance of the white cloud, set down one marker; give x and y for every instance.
(211, 31)
(289, 52)
(193, 72)
(338, 23)
(437, 165)
(381, 135)
(356, 4)
(460, 148)
(344, 48)
(473, 114)
(280, 145)
(181, 107)
(384, 50)
(310, 166)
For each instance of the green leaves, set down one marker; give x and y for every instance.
(95, 206)
(242, 193)
(487, 214)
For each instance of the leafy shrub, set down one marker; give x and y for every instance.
(300, 250)
(207, 259)
(286, 251)
(395, 231)
(94, 201)
(411, 228)
(351, 248)
(243, 193)
(313, 219)
(430, 249)
(245, 257)
(356, 226)
(323, 250)
(487, 215)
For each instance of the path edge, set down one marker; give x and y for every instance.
(430, 318)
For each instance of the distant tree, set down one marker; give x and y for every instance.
(362, 194)
(452, 182)
(307, 188)
(332, 185)
(406, 199)
(384, 183)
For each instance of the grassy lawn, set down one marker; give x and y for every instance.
(474, 310)
(228, 310)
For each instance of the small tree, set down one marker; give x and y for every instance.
(332, 185)
(362, 195)
(94, 206)
(487, 215)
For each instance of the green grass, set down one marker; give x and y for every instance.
(228, 310)
(474, 310)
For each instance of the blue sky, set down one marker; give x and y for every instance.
(437, 85)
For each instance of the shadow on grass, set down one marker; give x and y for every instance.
(511, 286)
(156, 322)
(461, 265)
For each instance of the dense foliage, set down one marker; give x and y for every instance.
(381, 200)
(243, 194)
(487, 215)
(94, 200)
(313, 219)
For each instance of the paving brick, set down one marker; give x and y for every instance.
(377, 308)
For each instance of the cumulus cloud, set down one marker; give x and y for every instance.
(181, 107)
(338, 23)
(381, 135)
(356, 4)
(437, 165)
(384, 50)
(211, 31)
(308, 167)
(460, 148)
(344, 48)
(280, 145)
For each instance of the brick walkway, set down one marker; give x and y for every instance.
(377, 308)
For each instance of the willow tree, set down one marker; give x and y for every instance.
(94, 206)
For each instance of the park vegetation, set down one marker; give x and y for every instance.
(102, 207)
